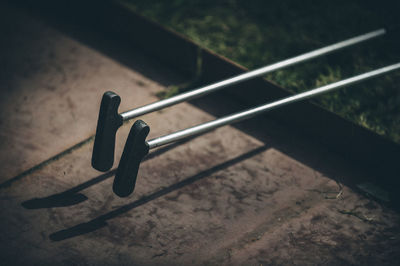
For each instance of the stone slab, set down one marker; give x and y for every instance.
(223, 198)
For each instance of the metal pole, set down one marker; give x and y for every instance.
(248, 75)
(156, 142)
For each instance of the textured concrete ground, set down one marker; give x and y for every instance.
(227, 197)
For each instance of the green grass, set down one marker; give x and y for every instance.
(255, 33)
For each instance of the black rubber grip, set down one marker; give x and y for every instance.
(136, 148)
(107, 126)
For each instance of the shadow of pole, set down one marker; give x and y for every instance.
(72, 196)
(101, 221)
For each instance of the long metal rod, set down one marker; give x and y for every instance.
(248, 75)
(156, 142)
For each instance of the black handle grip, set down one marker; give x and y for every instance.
(135, 149)
(107, 126)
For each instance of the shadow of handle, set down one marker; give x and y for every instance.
(136, 148)
(58, 200)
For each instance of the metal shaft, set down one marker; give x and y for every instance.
(156, 142)
(248, 75)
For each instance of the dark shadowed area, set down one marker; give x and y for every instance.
(257, 33)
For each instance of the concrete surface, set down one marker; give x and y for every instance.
(51, 87)
(224, 198)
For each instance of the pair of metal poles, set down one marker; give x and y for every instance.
(137, 147)
(109, 120)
